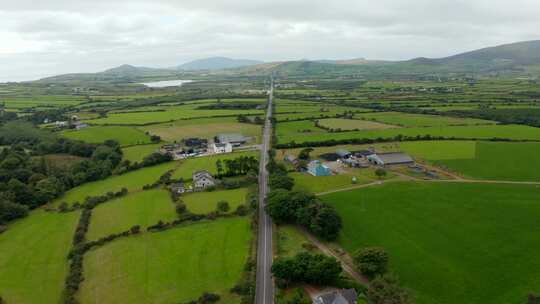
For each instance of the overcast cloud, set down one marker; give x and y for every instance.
(49, 37)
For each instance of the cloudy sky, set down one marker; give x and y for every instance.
(49, 37)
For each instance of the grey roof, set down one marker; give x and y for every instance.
(395, 158)
(231, 138)
(343, 152)
(200, 174)
(345, 296)
(290, 158)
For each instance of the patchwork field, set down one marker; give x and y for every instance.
(141, 208)
(134, 180)
(478, 240)
(124, 135)
(188, 166)
(353, 124)
(304, 132)
(420, 120)
(203, 128)
(33, 261)
(206, 202)
(173, 266)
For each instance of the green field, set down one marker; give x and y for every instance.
(170, 113)
(292, 131)
(124, 135)
(353, 124)
(290, 240)
(33, 261)
(499, 161)
(138, 152)
(420, 120)
(173, 266)
(188, 166)
(141, 208)
(134, 180)
(206, 202)
(479, 241)
(318, 184)
(203, 128)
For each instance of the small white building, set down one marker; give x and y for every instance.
(203, 179)
(61, 124)
(222, 148)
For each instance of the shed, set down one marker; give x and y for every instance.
(232, 138)
(316, 168)
(388, 159)
(342, 153)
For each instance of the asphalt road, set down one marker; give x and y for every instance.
(264, 293)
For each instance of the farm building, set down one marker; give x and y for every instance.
(222, 148)
(388, 159)
(316, 168)
(343, 154)
(203, 179)
(178, 188)
(345, 296)
(291, 159)
(233, 139)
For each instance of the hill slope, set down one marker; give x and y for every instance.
(216, 63)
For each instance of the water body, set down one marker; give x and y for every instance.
(166, 83)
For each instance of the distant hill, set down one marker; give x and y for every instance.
(217, 63)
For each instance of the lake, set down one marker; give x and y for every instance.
(166, 83)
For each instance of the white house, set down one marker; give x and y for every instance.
(203, 179)
(222, 148)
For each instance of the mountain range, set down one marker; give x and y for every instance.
(521, 58)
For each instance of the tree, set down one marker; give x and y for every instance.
(386, 290)
(283, 205)
(135, 229)
(10, 211)
(208, 298)
(63, 207)
(304, 153)
(223, 206)
(326, 223)
(180, 208)
(307, 268)
(380, 173)
(371, 261)
(278, 181)
(219, 167)
(533, 299)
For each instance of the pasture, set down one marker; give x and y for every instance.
(206, 202)
(134, 180)
(202, 128)
(318, 184)
(353, 124)
(143, 208)
(173, 266)
(302, 131)
(33, 261)
(479, 240)
(138, 152)
(124, 135)
(190, 165)
(420, 120)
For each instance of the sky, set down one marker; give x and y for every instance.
(51, 37)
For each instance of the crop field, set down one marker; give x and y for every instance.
(134, 180)
(33, 261)
(143, 208)
(206, 202)
(202, 128)
(420, 120)
(488, 257)
(173, 266)
(124, 135)
(138, 152)
(302, 131)
(167, 114)
(188, 166)
(353, 124)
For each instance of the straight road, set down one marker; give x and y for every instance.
(264, 293)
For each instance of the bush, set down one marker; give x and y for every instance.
(208, 298)
(386, 289)
(223, 206)
(306, 268)
(180, 208)
(10, 211)
(371, 261)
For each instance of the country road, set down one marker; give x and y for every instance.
(264, 293)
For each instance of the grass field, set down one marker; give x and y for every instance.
(317, 184)
(478, 240)
(206, 202)
(134, 180)
(292, 131)
(353, 124)
(174, 266)
(141, 208)
(168, 114)
(420, 120)
(499, 161)
(33, 261)
(290, 241)
(203, 128)
(138, 152)
(188, 166)
(124, 135)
